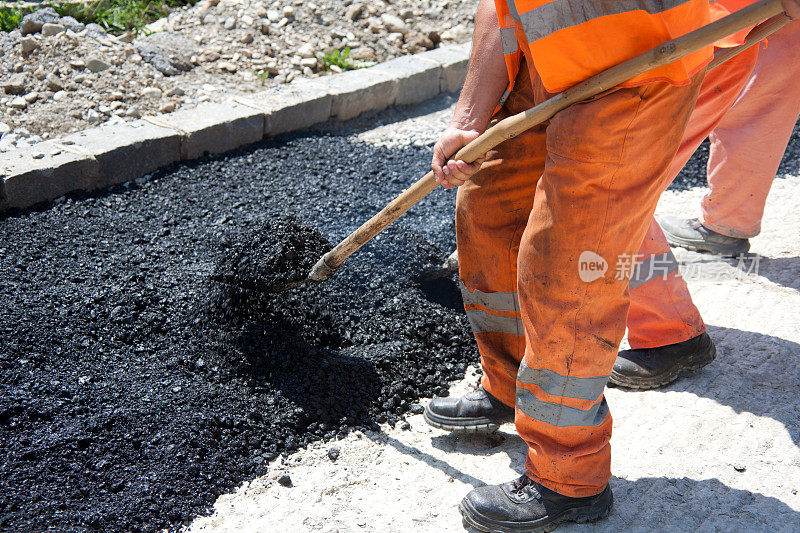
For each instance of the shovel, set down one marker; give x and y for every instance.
(667, 52)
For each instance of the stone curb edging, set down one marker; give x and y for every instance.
(111, 154)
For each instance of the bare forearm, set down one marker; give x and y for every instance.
(486, 77)
(486, 81)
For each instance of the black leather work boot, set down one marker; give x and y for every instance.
(692, 235)
(653, 367)
(524, 506)
(477, 410)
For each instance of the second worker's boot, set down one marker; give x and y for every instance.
(477, 410)
(692, 235)
(650, 368)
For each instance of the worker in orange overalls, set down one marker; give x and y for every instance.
(542, 228)
(749, 107)
(746, 149)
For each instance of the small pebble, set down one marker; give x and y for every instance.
(28, 44)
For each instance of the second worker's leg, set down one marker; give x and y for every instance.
(666, 334)
(665, 331)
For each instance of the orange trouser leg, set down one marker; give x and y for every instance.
(588, 181)
(662, 311)
(607, 164)
(492, 210)
(747, 146)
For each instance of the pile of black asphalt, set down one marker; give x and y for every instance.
(276, 257)
(134, 390)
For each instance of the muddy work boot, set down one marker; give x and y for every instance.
(653, 367)
(692, 235)
(477, 410)
(525, 506)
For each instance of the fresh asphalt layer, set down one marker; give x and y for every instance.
(134, 391)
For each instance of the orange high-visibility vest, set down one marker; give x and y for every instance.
(567, 41)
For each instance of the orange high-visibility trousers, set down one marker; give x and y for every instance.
(748, 144)
(546, 232)
(662, 311)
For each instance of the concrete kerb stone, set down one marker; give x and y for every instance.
(112, 154)
(292, 107)
(454, 61)
(356, 91)
(213, 128)
(44, 171)
(127, 151)
(417, 78)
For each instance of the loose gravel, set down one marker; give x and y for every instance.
(134, 390)
(276, 257)
(70, 76)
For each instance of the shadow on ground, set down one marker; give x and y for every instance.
(754, 373)
(645, 504)
(784, 271)
(683, 504)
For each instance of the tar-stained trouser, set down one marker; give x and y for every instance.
(584, 184)
(662, 311)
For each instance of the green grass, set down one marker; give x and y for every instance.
(115, 16)
(341, 59)
(122, 15)
(10, 18)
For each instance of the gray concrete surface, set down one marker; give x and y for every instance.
(715, 451)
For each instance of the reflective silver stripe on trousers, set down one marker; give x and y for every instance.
(483, 322)
(496, 301)
(509, 40)
(560, 14)
(655, 266)
(555, 384)
(561, 416)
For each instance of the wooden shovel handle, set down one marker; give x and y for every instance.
(510, 127)
(756, 35)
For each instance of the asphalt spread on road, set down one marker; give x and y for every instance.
(134, 390)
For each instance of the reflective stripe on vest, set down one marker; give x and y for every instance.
(560, 14)
(555, 384)
(654, 266)
(567, 41)
(508, 38)
(559, 415)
